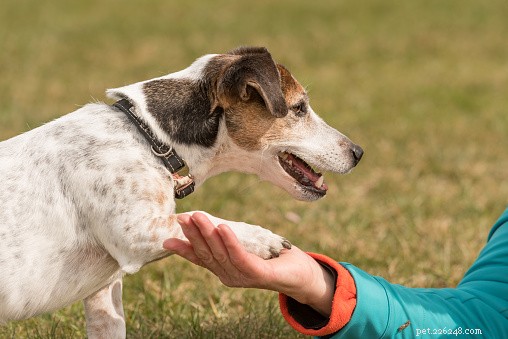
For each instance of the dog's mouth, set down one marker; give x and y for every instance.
(303, 173)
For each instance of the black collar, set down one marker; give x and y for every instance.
(173, 162)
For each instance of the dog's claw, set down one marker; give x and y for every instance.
(274, 253)
(286, 244)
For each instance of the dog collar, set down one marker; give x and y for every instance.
(184, 185)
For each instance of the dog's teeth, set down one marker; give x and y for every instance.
(319, 182)
(284, 156)
(290, 162)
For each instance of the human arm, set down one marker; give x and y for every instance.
(478, 307)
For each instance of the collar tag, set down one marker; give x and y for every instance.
(183, 185)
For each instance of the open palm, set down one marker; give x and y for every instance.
(217, 249)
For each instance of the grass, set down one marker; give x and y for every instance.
(420, 85)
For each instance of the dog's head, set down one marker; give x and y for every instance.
(242, 111)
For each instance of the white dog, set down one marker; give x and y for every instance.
(90, 196)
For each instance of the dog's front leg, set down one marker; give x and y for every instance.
(255, 239)
(104, 312)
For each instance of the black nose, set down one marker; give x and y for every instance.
(357, 152)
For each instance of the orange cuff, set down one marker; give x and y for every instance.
(343, 304)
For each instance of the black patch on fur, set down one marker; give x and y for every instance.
(183, 109)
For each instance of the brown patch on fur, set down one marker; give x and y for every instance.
(171, 220)
(161, 198)
(154, 192)
(159, 222)
(292, 90)
(146, 195)
(250, 124)
(154, 237)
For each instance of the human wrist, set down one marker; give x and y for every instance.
(317, 290)
(320, 293)
(305, 319)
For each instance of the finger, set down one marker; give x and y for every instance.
(174, 244)
(205, 241)
(192, 232)
(242, 260)
(183, 219)
(196, 239)
(211, 236)
(183, 249)
(221, 265)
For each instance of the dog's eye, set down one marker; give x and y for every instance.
(300, 108)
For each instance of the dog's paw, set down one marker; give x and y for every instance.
(260, 241)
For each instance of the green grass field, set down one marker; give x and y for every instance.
(420, 85)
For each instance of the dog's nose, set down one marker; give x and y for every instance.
(357, 152)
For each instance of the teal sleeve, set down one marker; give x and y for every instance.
(476, 308)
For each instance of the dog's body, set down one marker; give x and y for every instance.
(84, 200)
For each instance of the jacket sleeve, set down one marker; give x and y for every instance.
(477, 307)
(306, 320)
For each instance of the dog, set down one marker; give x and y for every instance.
(90, 196)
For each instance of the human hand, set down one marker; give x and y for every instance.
(217, 249)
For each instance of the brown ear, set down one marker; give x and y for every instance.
(254, 70)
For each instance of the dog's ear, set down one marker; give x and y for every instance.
(253, 70)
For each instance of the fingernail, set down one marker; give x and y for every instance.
(221, 228)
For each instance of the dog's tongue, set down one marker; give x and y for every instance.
(316, 179)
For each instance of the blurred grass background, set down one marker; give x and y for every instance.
(420, 85)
